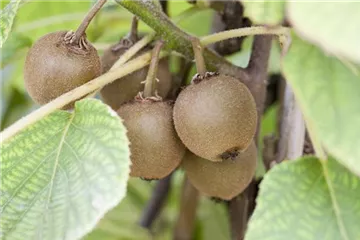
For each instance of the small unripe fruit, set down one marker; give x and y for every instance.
(54, 67)
(216, 117)
(225, 179)
(155, 148)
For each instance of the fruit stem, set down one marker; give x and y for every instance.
(133, 35)
(86, 21)
(199, 58)
(150, 82)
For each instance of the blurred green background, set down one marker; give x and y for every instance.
(33, 20)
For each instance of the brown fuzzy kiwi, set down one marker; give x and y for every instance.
(216, 117)
(155, 148)
(225, 179)
(126, 88)
(54, 67)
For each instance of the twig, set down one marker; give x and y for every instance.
(156, 203)
(178, 40)
(187, 215)
(241, 32)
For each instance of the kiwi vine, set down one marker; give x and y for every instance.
(209, 129)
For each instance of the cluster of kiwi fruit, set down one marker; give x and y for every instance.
(208, 130)
(216, 119)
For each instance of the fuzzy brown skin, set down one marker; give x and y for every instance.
(155, 148)
(215, 116)
(53, 68)
(126, 88)
(225, 179)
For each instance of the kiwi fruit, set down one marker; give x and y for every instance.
(223, 180)
(126, 88)
(155, 148)
(215, 117)
(53, 66)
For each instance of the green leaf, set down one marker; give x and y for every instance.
(328, 94)
(331, 25)
(62, 174)
(7, 16)
(307, 199)
(265, 11)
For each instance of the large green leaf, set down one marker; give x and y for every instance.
(62, 174)
(307, 199)
(331, 25)
(328, 93)
(265, 11)
(7, 16)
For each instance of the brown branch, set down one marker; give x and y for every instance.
(156, 203)
(238, 212)
(187, 215)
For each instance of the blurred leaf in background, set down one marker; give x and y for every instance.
(7, 15)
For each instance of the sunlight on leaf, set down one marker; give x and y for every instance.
(328, 94)
(334, 25)
(62, 174)
(307, 199)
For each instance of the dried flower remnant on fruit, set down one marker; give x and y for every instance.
(198, 77)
